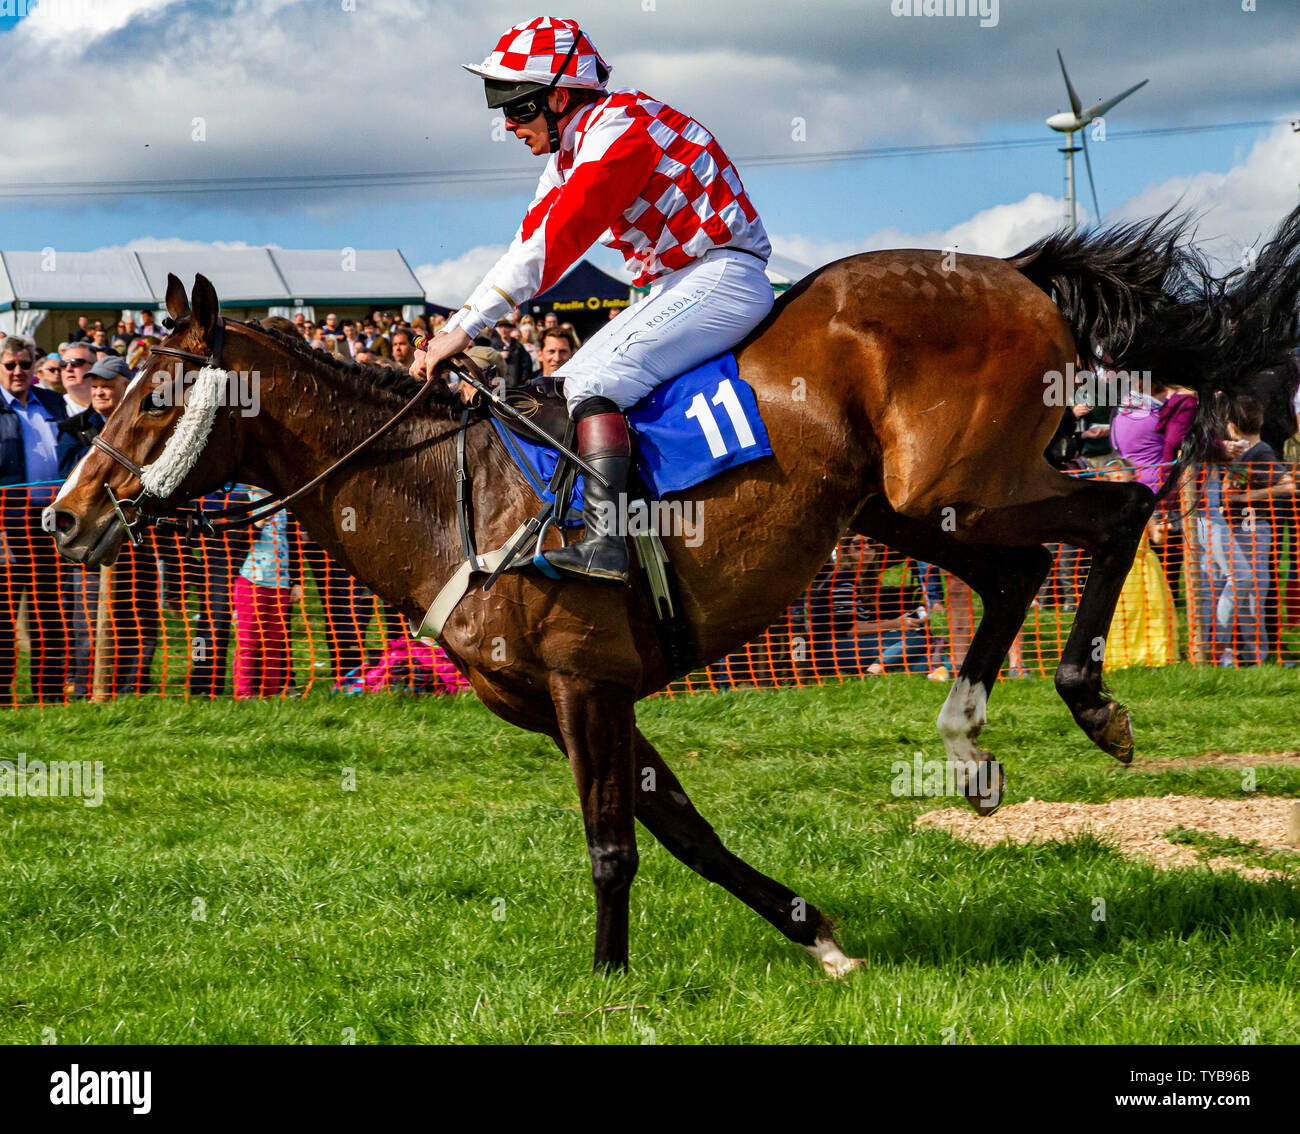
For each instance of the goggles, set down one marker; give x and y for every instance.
(523, 110)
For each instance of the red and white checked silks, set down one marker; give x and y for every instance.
(533, 52)
(636, 175)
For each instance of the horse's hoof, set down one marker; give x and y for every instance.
(832, 959)
(1115, 737)
(985, 792)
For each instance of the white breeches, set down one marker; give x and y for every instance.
(690, 315)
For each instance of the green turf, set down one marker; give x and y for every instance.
(448, 896)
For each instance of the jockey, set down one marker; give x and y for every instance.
(653, 183)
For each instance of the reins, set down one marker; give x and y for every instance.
(188, 521)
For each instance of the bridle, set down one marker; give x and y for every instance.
(149, 509)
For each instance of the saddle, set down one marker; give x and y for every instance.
(543, 405)
(684, 432)
(561, 507)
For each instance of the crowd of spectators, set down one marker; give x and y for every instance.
(245, 584)
(1241, 537)
(530, 351)
(241, 586)
(1241, 518)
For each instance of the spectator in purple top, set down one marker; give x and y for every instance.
(1147, 431)
(1149, 428)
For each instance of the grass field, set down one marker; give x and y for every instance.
(229, 890)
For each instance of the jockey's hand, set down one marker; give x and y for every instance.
(437, 350)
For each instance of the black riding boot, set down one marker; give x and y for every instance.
(603, 442)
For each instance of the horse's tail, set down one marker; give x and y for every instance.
(1108, 282)
(1149, 299)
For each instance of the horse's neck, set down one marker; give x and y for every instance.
(388, 517)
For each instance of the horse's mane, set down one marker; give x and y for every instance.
(383, 382)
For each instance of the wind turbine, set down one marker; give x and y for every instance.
(1075, 120)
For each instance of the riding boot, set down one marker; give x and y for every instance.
(603, 442)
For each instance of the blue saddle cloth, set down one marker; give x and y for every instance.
(687, 430)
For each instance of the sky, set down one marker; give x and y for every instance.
(121, 113)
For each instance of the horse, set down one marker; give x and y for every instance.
(903, 395)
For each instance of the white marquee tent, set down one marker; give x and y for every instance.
(32, 284)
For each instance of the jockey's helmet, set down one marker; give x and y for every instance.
(534, 58)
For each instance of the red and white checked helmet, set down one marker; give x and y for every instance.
(533, 52)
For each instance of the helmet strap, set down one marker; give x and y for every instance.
(552, 129)
(553, 119)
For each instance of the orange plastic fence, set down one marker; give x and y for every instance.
(275, 618)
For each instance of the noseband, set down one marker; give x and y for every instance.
(149, 510)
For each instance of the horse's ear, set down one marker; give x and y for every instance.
(178, 306)
(207, 307)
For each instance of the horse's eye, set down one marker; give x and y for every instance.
(157, 400)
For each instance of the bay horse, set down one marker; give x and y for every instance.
(903, 394)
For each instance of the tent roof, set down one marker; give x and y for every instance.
(583, 281)
(45, 279)
(379, 274)
(783, 269)
(242, 277)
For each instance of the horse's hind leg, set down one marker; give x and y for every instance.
(667, 813)
(1107, 520)
(1006, 578)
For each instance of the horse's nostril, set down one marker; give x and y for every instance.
(62, 522)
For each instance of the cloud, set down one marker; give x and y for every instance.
(177, 244)
(1005, 229)
(450, 282)
(293, 87)
(790, 252)
(1001, 230)
(71, 24)
(1239, 209)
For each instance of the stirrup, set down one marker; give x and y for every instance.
(539, 554)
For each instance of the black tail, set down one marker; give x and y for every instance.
(1108, 283)
(1148, 298)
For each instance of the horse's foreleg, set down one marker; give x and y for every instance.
(668, 814)
(596, 724)
(1006, 578)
